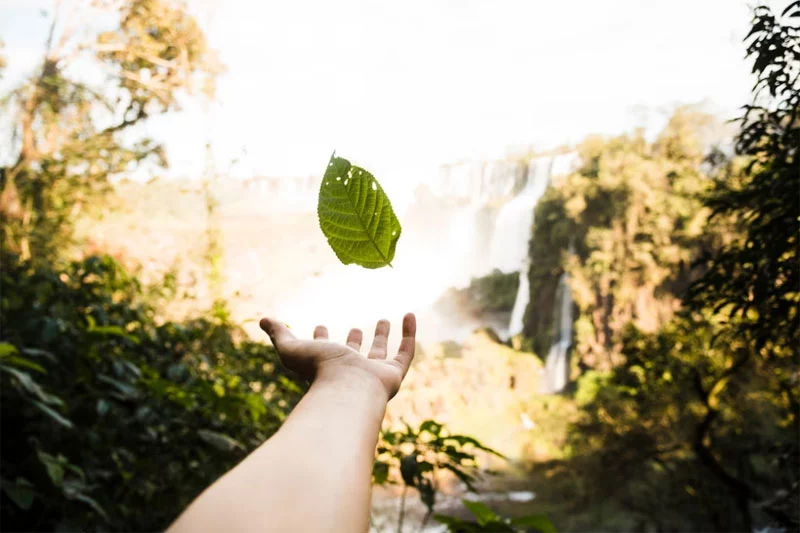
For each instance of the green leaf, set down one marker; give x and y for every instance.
(537, 521)
(481, 512)
(53, 414)
(126, 390)
(409, 469)
(30, 385)
(112, 331)
(103, 406)
(21, 493)
(91, 502)
(54, 466)
(427, 493)
(26, 363)
(380, 473)
(219, 440)
(356, 216)
(431, 427)
(7, 349)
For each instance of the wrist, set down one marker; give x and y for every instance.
(352, 379)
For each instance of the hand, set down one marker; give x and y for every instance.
(323, 359)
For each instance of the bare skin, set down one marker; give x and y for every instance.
(315, 473)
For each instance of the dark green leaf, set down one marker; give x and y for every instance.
(127, 390)
(431, 427)
(220, 441)
(409, 469)
(53, 414)
(30, 385)
(427, 493)
(21, 493)
(380, 473)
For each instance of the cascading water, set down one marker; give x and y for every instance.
(475, 186)
(512, 230)
(557, 364)
(516, 323)
(556, 367)
(540, 172)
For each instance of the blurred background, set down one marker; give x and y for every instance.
(599, 203)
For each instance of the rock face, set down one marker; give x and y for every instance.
(481, 388)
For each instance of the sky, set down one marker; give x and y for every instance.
(402, 87)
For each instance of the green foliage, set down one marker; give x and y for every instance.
(356, 216)
(693, 424)
(113, 420)
(72, 134)
(416, 458)
(754, 279)
(627, 227)
(487, 520)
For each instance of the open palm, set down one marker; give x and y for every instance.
(310, 357)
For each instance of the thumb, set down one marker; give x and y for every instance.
(278, 333)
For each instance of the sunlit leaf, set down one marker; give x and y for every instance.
(25, 363)
(356, 216)
(7, 349)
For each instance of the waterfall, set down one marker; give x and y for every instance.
(540, 173)
(476, 240)
(556, 367)
(516, 323)
(474, 187)
(512, 230)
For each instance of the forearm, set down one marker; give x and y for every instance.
(314, 474)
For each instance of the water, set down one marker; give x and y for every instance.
(556, 371)
(540, 174)
(516, 323)
(512, 231)
(508, 245)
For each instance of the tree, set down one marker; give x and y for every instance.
(754, 279)
(698, 422)
(626, 226)
(72, 133)
(113, 419)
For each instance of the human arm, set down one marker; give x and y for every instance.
(314, 474)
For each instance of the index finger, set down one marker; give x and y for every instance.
(408, 345)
